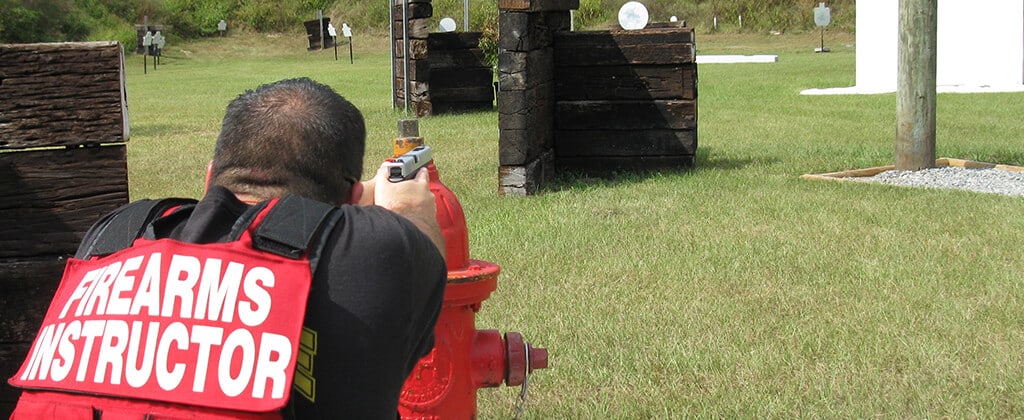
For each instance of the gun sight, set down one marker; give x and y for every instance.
(405, 166)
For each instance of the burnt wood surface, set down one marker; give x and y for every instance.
(609, 165)
(61, 94)
(590, 48)
(462, 77)
(418, 28)
(538, 5)
(51, 197)
(529, 31)
(417, 10)
(523, 70)
(624, 143)
(626, 115)
(418, 69)
(456, 58)
(626, 82)
(454, 40)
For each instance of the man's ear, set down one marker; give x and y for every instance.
(356, 193)
(209, 177)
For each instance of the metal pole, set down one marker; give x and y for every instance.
(465, 15)
(405, 52)
(915, 86)
(391, 24)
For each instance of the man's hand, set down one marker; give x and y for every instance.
(411, 199)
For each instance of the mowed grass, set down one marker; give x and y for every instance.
(735, 289)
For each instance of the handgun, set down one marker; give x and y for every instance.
(405, 166)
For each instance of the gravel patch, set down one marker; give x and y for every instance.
(996, 181)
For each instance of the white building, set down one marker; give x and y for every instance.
(980, 46)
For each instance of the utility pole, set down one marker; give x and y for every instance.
(915, 85)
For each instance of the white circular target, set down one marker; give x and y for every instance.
(447, 24)
(633, 15)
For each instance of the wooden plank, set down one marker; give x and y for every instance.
(28, 285)
(519, 109)
(626, 82)
(520, 146)
(418, 28)
(527, 179)
(454, 40)
(418, 91)
(418, 70)
(605, 48)
(612, 55)
(538, 5)
(62, 94)
(11, 356)
(583, 143)
(626, 115)
(525, 70)
(458, 58)
(51, 197)
(468, 93)
(417, 10)
(529, 31)
(26, 288)
(476, 76)
(609, 165)
(589, 39)
(444, 107)
(417, 49)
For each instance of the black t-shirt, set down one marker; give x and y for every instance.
(375, 298)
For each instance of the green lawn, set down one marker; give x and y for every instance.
(735, 289)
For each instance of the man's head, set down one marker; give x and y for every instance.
(293, 136)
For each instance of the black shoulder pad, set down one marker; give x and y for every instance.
(118, 230)
(291, 226)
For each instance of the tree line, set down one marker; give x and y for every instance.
(84, 20)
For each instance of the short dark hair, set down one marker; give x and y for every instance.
(293, 136)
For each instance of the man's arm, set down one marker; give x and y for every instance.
(411, 199)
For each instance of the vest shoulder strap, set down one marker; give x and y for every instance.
(295, 227)
(119, 229)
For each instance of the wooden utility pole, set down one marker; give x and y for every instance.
(915, 85)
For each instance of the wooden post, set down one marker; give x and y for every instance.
(915, 91)
(63, 133)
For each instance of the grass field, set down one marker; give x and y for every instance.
(735, 289)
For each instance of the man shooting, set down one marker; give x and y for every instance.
(208, 310)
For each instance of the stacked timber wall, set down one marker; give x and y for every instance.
(447, 72)
(594, 101)
(526, 85)
(63, 124)
(460, 78)
(625, 100)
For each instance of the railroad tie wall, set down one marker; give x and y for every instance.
(417, 13)
(526, 106)
(447, 72)
(63, 128)
(460, 77)
(625, 100)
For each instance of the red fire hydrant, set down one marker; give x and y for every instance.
(444, 383)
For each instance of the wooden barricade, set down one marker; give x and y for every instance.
(594, 101)
(460, 78)
(526, 84)
(625, 100)
(447, 72)
(63, 165)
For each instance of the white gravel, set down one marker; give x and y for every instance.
(996, 181)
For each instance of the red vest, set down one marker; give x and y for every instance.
(166, 329)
